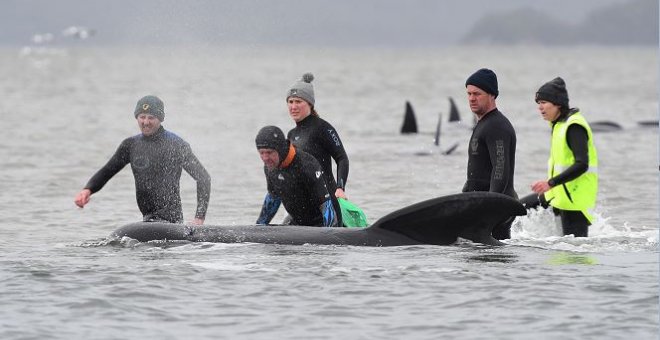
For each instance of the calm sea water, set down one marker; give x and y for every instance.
(64, 111)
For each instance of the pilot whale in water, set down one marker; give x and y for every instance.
(438, 221)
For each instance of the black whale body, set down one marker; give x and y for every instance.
(438, 221)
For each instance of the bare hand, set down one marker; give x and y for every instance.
(198, 221)
(339, 193)
(83, 197)
(540, 187)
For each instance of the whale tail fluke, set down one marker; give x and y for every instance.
(409, 120)
(470, 215)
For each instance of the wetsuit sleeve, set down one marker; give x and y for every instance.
(117, 162)
(329, 215)
(332, 143)
(578, 141)
(499, 149)
(197, 171)
(316, 181)
(269, 209)
(317, 185)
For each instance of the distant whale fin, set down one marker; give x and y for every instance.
(648, 123)
(436, 141)
(454, 115)
(470, 215)
(450, 149)
(409, 121)
(605, 126)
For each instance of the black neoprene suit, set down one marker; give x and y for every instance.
(156, 162)
(318, 138)
(491, 161)
(302, 188)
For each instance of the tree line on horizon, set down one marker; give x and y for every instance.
(632, 23)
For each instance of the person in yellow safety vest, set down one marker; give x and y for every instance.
(572, 182)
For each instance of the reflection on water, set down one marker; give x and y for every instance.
(571, 258)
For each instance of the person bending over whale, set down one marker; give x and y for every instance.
(492, 148)
(157, 157)
(294, 178)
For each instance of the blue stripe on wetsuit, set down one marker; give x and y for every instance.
(269, 209)
(329, 218)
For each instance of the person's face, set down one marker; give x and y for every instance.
(549, 111)
(270, 158)
(480, 101)
(148, 124)
(299, 109)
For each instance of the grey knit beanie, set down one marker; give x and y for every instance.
(150, 105)
(303, 89)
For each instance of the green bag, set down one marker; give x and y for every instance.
(352, 215)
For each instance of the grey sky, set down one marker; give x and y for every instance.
(269, 22)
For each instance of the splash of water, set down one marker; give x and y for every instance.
(541, 228)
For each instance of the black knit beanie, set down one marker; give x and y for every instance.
(484, 79)
(271, 137)
(555, 92)
(150, 105)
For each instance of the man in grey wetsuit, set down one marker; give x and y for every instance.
(157, 157)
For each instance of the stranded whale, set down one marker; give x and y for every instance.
(438, 221)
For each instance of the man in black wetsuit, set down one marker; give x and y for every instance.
(294, 178)
(157, 157)
(492, 148)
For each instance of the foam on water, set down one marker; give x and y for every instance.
(234, 267)
(541, 228)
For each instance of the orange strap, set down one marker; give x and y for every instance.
(289, 157)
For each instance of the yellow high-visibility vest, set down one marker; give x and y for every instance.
(580, 193)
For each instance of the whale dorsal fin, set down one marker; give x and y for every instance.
(409, 120)
(454, 115)
(470, 215)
